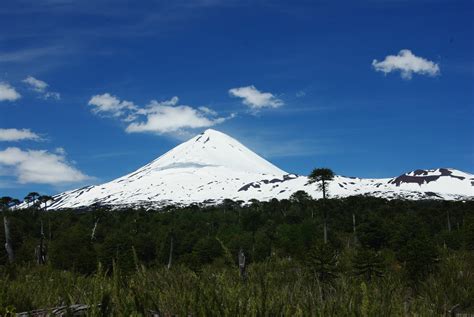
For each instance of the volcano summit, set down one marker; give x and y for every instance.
(213, 166)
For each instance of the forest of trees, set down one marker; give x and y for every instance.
(381, 258)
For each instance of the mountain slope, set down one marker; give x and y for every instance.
(212, 166)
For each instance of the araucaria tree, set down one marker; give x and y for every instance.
(368, 263)
(322, 176)
(322, 259)
(43, 201)
(31, 198)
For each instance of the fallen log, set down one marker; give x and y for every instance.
(72, 310)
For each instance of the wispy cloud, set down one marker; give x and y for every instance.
(8, 93)
(36, 84)
(277, 144)
(291, 148)
(41, 87)
(300, 94)
(18, 135)
(407, 64)
(29, 54)
(256, 99)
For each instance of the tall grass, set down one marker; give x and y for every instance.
(273, 288)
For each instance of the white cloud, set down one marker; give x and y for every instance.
(42, 167)
(256, 99)
(407, 63)
(60, 151)
(108, 104)
(52, 95)
(158, 116)
(208, 111)
(8, 93)
(41, 87)
(18, 135)
(36, 84)
(166, 117)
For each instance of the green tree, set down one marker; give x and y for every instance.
(421, 258)
(323, 262)
(300, 196)
(43, 200)
(469, 234)
(117, 248)
(73, 250)
(303, 199)
(322, 176)
(206, 250)
(368, 263)
(373, 234)
(31, 198)
(5, 202)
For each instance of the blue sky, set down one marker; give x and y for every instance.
(368, 88)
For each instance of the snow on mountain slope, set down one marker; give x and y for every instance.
(443, 183)
(214, 149)
(209, 167)
(212, 166)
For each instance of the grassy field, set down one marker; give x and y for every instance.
(274, 287)
(398, 258)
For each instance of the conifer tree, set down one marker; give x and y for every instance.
(323, 262)
(368, 263)
(322, 176)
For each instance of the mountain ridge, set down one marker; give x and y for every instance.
(213, 166)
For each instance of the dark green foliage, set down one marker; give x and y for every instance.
(372, 233)
(420, 257)
(264, 229)
(206, 250)
(368, 264)
(322, 260)
(469, 234)
(31, 198)
(320, 175)
(72, 249)
(117, 250)
(300, 196)
(406, 251)
(5, 202)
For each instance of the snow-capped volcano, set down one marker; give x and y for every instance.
(212, 166)
(213, 149)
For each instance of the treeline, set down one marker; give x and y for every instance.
(78, 240)
(369, 240)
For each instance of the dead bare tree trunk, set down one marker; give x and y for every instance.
(170, 259)
(94, 229)
(355, 239)
(242, 267)
(8, 244)
(325, 213)
(354, 224)
(41, 256)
